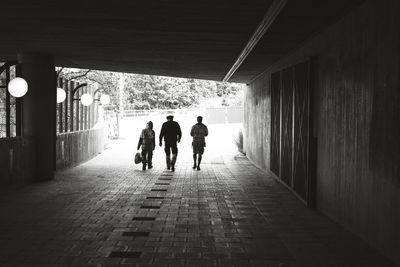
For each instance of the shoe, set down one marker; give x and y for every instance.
(173, 168)
(198, 168)
(150, 167)
(168, 168)
(144, 168)
(194, 166)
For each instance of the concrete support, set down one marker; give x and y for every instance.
(39, 110)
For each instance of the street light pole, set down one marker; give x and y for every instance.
(71, 103)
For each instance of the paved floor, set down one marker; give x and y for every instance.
(228, 214)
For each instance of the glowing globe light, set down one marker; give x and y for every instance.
(17, 87)
(105, 99)
(61, 95)
(86, 99)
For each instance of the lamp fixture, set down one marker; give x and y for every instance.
(61, 95)
(86, 99)
(17, 87)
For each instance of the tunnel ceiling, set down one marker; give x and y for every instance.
(197, 39)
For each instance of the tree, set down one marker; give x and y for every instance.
(148, 91)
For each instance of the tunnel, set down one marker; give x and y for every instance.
(318, 179)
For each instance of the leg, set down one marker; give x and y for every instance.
(194, 160)
(174, 149)
(201, 151)
(194, 146)
(150, 159)
(144, 159)
(168, 156)
(198, 162)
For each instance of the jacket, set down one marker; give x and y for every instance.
(171, 132)
(147, 140)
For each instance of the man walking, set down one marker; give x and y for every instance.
(199, 132)
(171, 132)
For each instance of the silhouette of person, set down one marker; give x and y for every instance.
(148, 142)
(199, 132)
(171, 132)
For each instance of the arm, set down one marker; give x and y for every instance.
(192, 131)
(162, 133)
(206, 133)
(153, 141)
(140, 143)
(179, 132)
(140, 140)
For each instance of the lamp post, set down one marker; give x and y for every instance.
(72, 99)
(86, 100)
(104, 98)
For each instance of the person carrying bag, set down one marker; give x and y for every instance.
(148, 144)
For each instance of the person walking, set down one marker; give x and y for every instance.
(171, 132)
(147, 141)
(199, 132)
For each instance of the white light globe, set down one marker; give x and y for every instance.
(61, 95)
(86, 99)
(105, 99)
(17, 87)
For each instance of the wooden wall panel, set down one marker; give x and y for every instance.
(287, 126)
(275, 122)
(301, 126)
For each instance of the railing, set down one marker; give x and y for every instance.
(212, 115)
(154, 112)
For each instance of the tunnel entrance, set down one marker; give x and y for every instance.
(135, 99)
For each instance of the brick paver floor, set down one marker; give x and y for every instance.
(108, 212)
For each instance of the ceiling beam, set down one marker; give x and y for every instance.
(270, 16)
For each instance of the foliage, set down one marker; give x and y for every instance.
(149, 92)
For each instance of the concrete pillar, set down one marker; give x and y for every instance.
(39, 110)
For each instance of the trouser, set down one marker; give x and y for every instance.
(168, 149)
(147, 156)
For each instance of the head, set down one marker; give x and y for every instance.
(199, 119)
(149, 125)
(170, 117)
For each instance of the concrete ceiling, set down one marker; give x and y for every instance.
(197, 39)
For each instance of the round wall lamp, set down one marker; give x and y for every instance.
(17, 87)
(61, 95)
(86, 99)
(105, 99)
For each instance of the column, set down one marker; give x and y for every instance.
(39, 110)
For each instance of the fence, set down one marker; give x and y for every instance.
(212, 115)
(74, 148)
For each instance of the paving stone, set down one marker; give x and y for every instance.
(227, 214)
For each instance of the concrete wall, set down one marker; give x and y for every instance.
(257, 122)
(74, 148)
(17, 161)
(357, 121)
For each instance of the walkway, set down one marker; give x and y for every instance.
(108, 212)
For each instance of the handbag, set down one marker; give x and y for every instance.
(138, 158)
